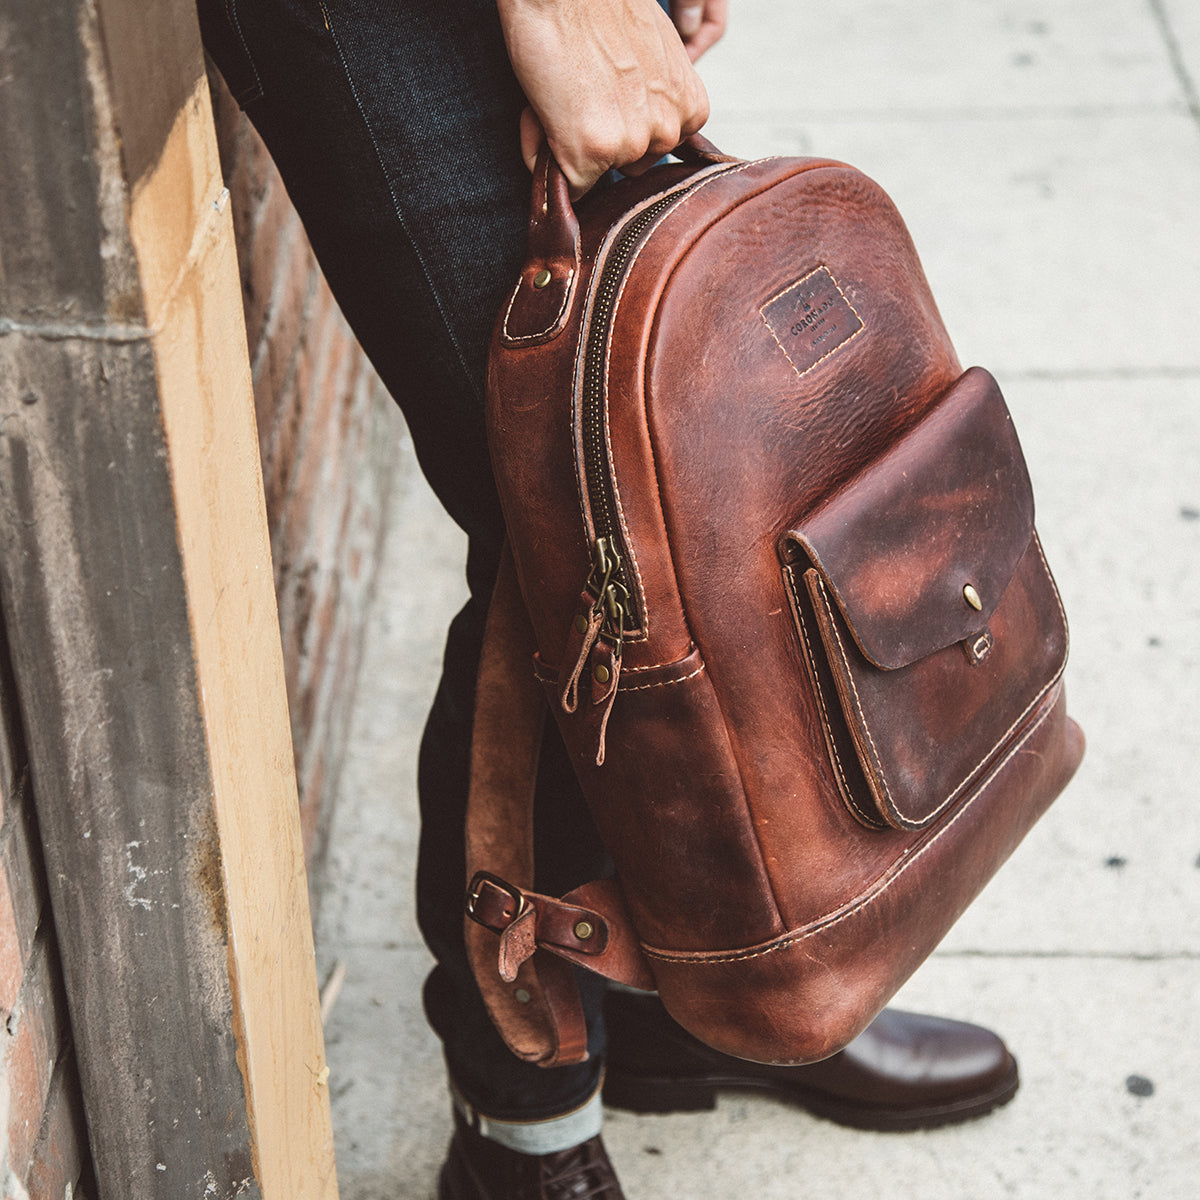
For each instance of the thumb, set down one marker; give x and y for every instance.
(531, 137)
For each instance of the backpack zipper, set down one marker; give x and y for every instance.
(610, 607)
(610, 581)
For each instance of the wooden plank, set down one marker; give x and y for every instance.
(211, 440)
(137, 594)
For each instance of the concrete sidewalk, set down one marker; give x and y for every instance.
(1046, 154)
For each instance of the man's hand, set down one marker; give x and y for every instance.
(609, 81)
(701, 23)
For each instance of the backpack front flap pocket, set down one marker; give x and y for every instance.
(930, 623)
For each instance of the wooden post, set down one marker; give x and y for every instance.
(136, 591)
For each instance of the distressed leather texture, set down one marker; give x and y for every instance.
(830, 704)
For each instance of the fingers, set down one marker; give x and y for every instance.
(609, 81)
(632, 145)
(701, 23)
(688, 16)
(705, 39)
(583, 166)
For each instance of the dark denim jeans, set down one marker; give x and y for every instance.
(394, 124)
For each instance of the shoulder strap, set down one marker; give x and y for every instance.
(525, 974)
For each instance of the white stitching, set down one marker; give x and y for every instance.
(568, 292)
(862, 720)
(826, 720)
(641, 687)
(720, 173)
(965, 781)
(511, 301)
(514, 338)
(1062, 612)
(232, 13)
(397, 207)
(862, 325)
(589, 524)
(660, 665)
(546, 675)
(789, 940)
(589, 303)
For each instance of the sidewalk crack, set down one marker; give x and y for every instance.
(1175, 53)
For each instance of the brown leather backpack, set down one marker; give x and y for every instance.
(777, 575)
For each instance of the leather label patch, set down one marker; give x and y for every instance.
(811, 319)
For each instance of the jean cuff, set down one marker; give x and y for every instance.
(536, 1137)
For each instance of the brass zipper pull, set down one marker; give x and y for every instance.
(605, 562)
(611, 601)
(596, 640)
(612, 596)
(585, 629)
(605, 663)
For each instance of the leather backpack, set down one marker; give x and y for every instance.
(774, 571)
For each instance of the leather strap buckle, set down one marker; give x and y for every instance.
(486, 908)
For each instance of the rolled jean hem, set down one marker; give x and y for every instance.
(546, 1136)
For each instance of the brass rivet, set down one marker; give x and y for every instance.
(581, 624)
(971, 596)
(522, 996)
(601, 674)
(583, 930)
(542, 278)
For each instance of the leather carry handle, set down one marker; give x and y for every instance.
(540, 303)
(552, 223)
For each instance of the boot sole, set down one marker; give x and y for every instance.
(648, 1094)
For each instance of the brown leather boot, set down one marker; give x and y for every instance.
(477, 1168)
(905, 1071)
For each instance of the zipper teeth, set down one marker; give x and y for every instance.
(599, 485)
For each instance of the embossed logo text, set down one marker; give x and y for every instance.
(810, 319)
